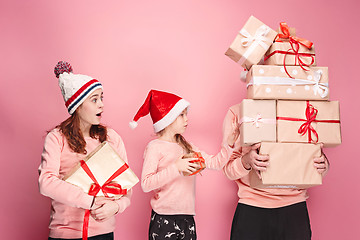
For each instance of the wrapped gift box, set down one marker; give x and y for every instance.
(309, 121)
(257, 121)
(280, 50)
(251, 43)
(103, 162)
(200, 162)
(272, 82)
(291, 165)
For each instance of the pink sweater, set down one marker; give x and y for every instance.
(234, 170)
(173, 192)
(68, 202)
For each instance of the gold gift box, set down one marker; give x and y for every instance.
(272, 82)
(244, 50)
(291, 165)
(200, 163)
(103, 162)
(292, 116)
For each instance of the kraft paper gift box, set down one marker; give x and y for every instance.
(280, 51)
(200, 162)
(309, 121)
(257, 121)
(291, 165)
(103, 162)
(251, 43)
(272, 82)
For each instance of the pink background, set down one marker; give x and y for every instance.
(178, 46)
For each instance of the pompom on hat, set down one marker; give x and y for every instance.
(163, 107)
(75, 88)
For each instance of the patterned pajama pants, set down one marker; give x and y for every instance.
(172, 227)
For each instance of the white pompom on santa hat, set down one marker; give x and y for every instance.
(163, 107)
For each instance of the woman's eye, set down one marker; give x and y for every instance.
(94, 100)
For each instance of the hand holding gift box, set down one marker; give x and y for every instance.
(102, 173)
(250, 45)
(290, 165)
(200, 162)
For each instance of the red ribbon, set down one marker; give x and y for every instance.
(294, 50)
(200, 160)
(107, 187)
(286, 35)
(310, 114)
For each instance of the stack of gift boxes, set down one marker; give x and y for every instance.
(287, 107)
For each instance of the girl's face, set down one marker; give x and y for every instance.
(180, 124)
(91, 109)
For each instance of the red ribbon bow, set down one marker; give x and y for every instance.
(310, 114)
(199, 160)
(286, 35)
(108, 187)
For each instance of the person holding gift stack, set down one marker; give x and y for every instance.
(269, 213)
(165, 170)
(272, 186)
(64, 147)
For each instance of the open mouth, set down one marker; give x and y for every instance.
(99, 114)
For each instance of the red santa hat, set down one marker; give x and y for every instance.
(163, 107)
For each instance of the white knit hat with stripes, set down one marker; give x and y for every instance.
(75, 88)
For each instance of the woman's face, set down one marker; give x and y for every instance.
(91, 109)
(180, 124)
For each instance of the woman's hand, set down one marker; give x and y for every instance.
(184, 165)
(104, 208)
(235, 132)
(321, 164)
(255, 161)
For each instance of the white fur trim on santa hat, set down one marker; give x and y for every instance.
(171, 116)
(133, 124)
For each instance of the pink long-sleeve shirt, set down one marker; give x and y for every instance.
(68, 202)
(234, 170)
(173, 192)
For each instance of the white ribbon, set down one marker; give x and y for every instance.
(258, 119)
(252, 42)
(318, 87)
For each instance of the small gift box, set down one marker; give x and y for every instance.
(290, 53)
(103, 173)
(291, 165)
(257, 121)
(251, 43)
(200, 162)
(309, 121)
(272, 82)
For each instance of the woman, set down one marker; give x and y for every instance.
(64, 147)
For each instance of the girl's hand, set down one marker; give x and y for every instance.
(322, 165)
(184, 165)
(235, 127)
(255, 161)
(104, 208)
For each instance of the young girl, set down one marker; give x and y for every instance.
(64, 147)
(173, 201)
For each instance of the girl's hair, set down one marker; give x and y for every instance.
(183, 143)
(70, 128)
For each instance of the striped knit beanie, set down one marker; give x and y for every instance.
(75, 88)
